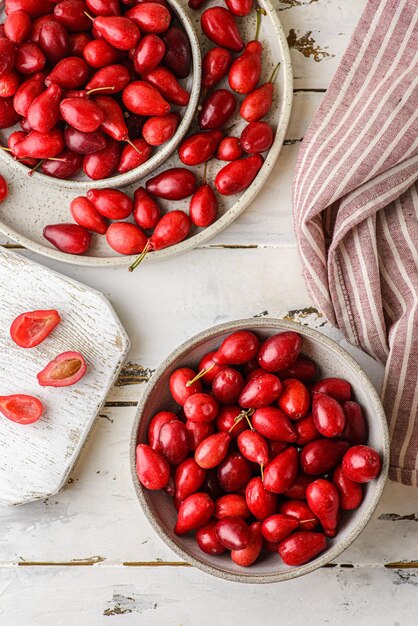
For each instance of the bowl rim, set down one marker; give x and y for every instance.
(222, 222)
(162, 154)
(330, 553)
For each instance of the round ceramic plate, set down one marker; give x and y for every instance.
(31, 205)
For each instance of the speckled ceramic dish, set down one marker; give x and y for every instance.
(82, 182)
(31, 205)
(332, 361)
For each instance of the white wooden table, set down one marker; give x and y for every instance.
(87, 556)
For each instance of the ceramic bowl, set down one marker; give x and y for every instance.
(332, 361)
(161, 154)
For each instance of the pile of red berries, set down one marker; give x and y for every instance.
(261, 455)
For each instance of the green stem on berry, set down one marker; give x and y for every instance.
(274, 73)
(199, 375)
(259, 13)
(141, 257)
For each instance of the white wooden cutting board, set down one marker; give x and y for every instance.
(35, 459)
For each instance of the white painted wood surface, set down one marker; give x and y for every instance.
(87, 555)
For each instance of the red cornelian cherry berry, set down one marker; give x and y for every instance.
(361, 464)
(21, 408)
(33, 327)
(65, 370)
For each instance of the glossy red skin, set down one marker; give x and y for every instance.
(240, 8)
(328, 415)
(361, 464)
(188, 479)
(260, 391)
(104, 7)
(207, 540)
(146, 211)
(167, 84)
(148, 54)
(13, 140)
(238, 175)
(227, 385)
(77, 43)
(27, 92)
(70, 13)
(261, 502)
(301, 547)
(34, 8)
(159, 129)
(233, 533)
(245, 71)
(199, 147)
(194, 512)
(33, 327)
(212, 450)
(37, 26)
(83, 143)
(350, 493)
(178, 54)
(294, 399)
(56, 374)
(126, 238)
(355, 429)
(299, 510)
(154, 426)
(85, 115)
(257, 103)
(282, 471)
(219, 26)
(231, 504)
(273, 424)
(8, 115)
(257, 137)
(54, 42)
(111, 203)
(215, 66)
(100, 53)
(336, 388)
(229, 149)
(200, 407)
(69, 238)
(7, 56)
(150, 17)
(253, 446)
(197, 432)
(303, 369)
(114, 122)
(29, 59)
(68, 165)
(115, 77)
(152, 469)
(297, 491)
(173, 442)
(238, 348)
(21, 408)
(217, 109)
(248, 555)
(225, 421)
(280, 351)
(203, 208)
(277, 527)
(173, 184)
(9, 84)
(4, 190)
(17, 26)
(323, 500)
(234, 472)
(207, 363)
(144, 99)
(306, 430)
(133, 157)
(178, 384)
(321, 456)
(103, 163)
(40, 145)
(44, 111)
(120, 32)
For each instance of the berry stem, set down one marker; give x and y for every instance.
(112, 87)
(199, 375)
(259, 13)
(140, 258)
(274, 73)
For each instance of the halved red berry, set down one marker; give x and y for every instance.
(31, 328)
(65, 370)
(21, 408)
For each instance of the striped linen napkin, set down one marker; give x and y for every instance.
(355, 201)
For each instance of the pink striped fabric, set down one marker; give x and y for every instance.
(355, 200)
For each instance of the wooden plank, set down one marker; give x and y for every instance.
(167, 596)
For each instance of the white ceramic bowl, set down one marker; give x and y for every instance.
(161, 154)
(332, 361)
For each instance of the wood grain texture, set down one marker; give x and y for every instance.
(35, 459)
